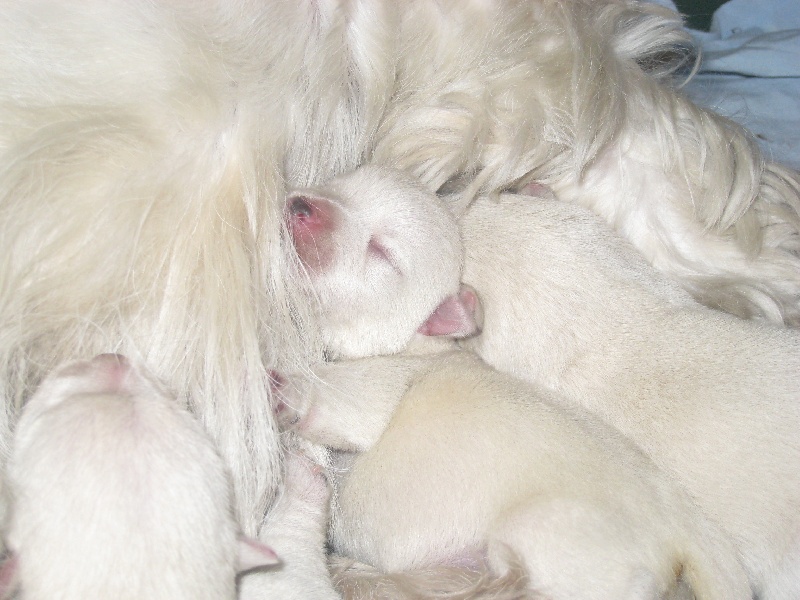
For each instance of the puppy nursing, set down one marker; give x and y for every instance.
(462, 462)
(473, 461)
(118, 493)
(147, 148)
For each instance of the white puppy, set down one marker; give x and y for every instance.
(472, 458)
(370, 237)
(712, 399)
(472, 463)
(147, 148)
(373, 237)
(118, 493)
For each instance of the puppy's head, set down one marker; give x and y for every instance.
(100, 445)
(104, 374)
(380, 254)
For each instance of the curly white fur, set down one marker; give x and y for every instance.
(579, 95)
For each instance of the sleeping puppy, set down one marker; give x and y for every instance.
(449, 461)
(84, 414)
(712, 399)
(374, 238)
(605, 501)
(118, 493)
(163, 136)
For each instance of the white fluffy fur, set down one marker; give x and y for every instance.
(577, 95)
(146, 149)
(378, 237)
(711, 398)
(119, 493)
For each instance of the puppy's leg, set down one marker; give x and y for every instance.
(347, 405)
(296, 527)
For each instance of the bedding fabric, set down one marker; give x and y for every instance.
(750, 72)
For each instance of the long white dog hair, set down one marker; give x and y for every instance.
(581, 96)
(147, 147)
(146, 150)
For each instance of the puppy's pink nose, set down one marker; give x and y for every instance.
(113, 369)
(312, 223)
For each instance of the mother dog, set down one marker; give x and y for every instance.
(146, 147)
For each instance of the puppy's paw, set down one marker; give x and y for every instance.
(295, 394)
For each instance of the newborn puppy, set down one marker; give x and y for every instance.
(474, 461)
(379, 255)
(457, 463)
(118, 493)
(712, 399)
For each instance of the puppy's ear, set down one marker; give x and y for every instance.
(458, 316)
(537, 190)
(253, 555)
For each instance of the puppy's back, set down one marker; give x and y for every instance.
(712, 399)
(478, 457)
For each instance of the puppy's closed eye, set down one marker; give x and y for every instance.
(378, 250)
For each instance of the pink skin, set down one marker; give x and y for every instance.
(539, 190)
(280, 409)
(254, 555)
(456, 317)
(109, 372)
(311, 222)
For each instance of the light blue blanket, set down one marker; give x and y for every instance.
(751, 71)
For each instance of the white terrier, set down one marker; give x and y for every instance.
(714, 400)
(117, 492)
(147, 148)
(579, 95)
(474, 464)
(373, 237)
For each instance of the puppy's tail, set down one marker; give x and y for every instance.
(355, 580)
